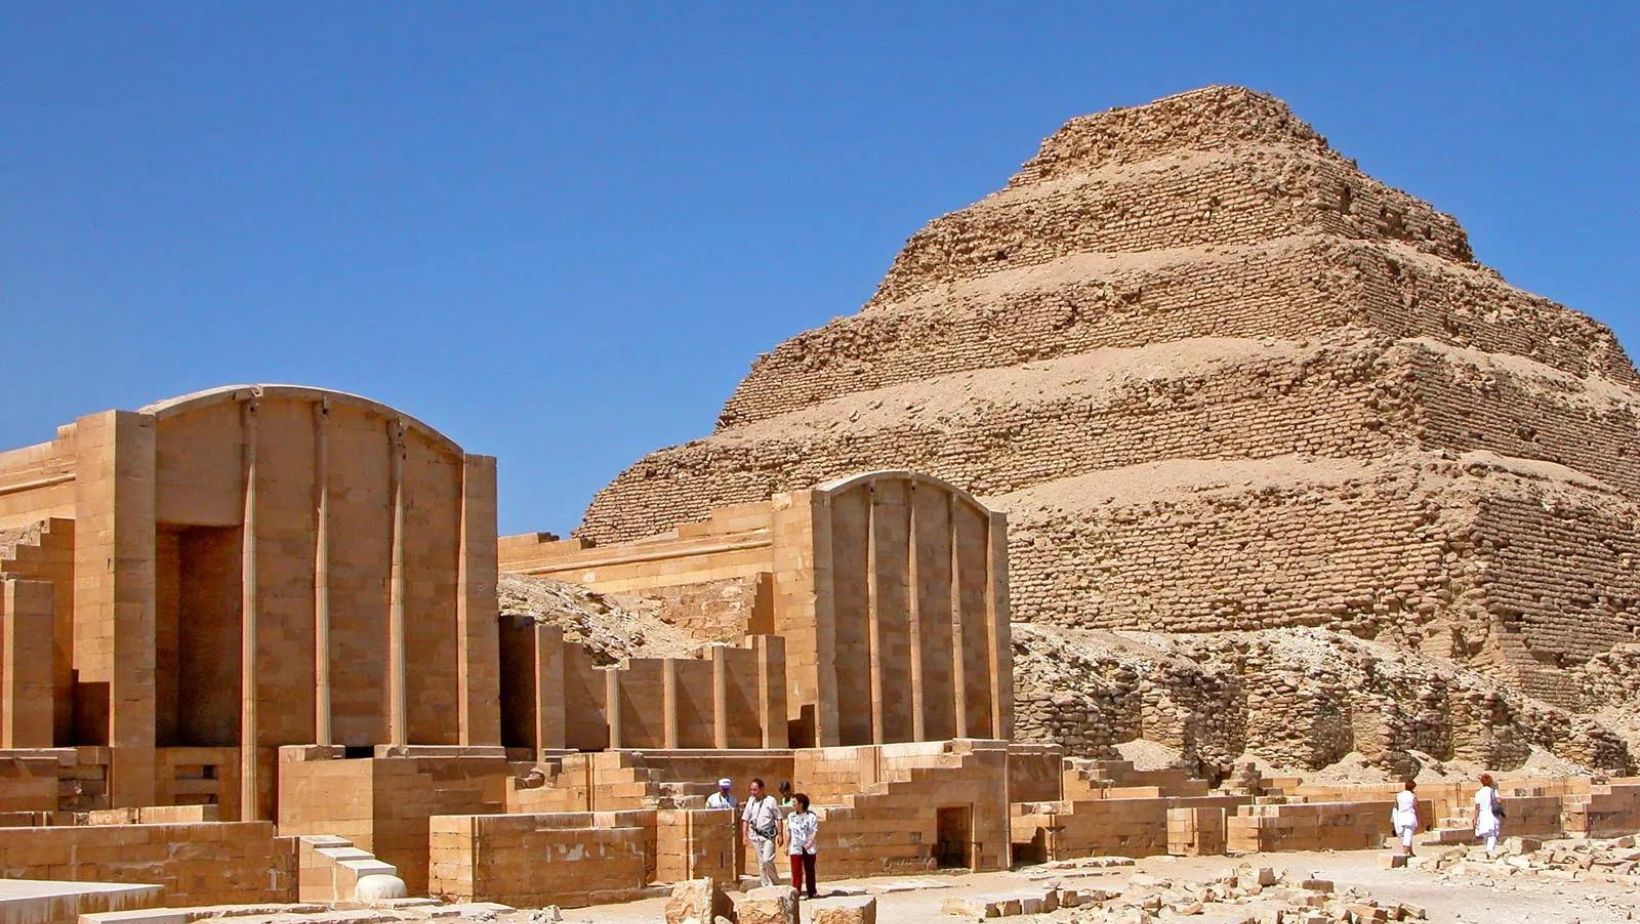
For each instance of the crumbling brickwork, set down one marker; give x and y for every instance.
(1295, 698)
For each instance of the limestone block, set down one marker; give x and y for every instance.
(852, 910)
(768, 905)
(379, 887)
(697, 899)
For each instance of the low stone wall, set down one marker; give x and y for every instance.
(212, 863)
(530, 861)
(1035, 772)
(1607, 811)
(141, 815)
(383, 804)
(1104, 827)
(1313, 826)
(696, 844)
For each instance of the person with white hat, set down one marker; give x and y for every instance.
(724, 797)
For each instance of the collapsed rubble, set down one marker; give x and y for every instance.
(1244, 893)
(1294, 699)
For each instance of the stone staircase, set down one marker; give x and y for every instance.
(893, 823)
(330, 867)
(1087, 780)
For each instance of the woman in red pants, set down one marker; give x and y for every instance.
(802, 826)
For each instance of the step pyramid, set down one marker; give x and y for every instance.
(1220, 379)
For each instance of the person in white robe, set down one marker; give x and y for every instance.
(1488, 813)
(1404, 817)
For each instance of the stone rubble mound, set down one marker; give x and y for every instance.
(1614, 860)
(1293, 699)
(612, 628)
(1242, 894)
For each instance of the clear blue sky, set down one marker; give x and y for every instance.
(561, 233)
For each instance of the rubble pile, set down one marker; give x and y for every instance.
(1615, 860)
(1245, 893)
(612, 628)
(1298, 699)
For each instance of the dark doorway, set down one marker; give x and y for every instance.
(196, 636)
(954, 838)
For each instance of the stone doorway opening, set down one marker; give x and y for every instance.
(954, 837)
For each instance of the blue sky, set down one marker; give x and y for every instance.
(561, 233)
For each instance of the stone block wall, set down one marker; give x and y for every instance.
(1313, 826)
(1607, 811)
(880, 581)
(383, 804)
(26, 682)
(1196, 832)
(1122, 827)
(198, 864)
(569, 860)
(696, 845)
(44, 551)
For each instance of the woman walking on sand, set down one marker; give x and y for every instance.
(801, 827)
(1488, 813)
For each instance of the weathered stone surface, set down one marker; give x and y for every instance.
(697, 899)
(851, 910)
(768, 905)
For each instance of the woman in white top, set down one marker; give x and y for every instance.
(801, 827)
(1488, 813)
(1404, 818)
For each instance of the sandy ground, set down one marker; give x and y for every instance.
(1477, 899)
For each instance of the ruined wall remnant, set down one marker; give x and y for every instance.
(889, 589)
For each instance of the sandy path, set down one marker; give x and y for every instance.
(1481, 899)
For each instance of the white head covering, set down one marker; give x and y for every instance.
(725, 783)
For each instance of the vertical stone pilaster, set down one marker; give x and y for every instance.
(959, 665)
(669, 702)
(720, 698)
(771, 689)
(321, 572)
(1000, 648)
(612, 707)
(914, 614)
(398, 726)
(874, 628)
(114, 585)
(550, 718)
(249, 601)
(477, 635)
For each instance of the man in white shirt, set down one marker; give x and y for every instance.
(760, 829)
(723, 798)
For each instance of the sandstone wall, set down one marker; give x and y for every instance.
(531, 861)
(198, 864)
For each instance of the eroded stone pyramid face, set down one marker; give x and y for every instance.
(1220, 379)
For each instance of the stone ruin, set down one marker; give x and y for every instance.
(1221, 381)
(1193, 433)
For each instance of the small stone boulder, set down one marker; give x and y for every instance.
(697, 900)
(775, 904)
(379, 887)
(860, 910)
